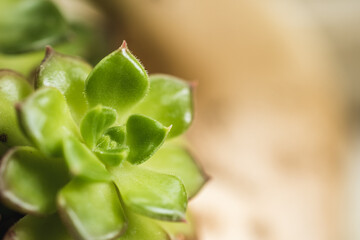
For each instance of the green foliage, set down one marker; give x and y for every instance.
(27, 26)
(85, 152)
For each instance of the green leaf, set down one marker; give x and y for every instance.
(46, 120)
(110, 157)
(29, 25)
(95, 122)
(144, 137)
(141, 228)
(68, 75)
(170, 102)
(29, 181)
(118, 81)
(82, 162)
(180, 230)
(177, 161)
(111, 148)
(38, 228)
(150, 193)
(13, 88)
(91, 210)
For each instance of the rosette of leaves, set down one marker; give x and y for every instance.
(81, 150)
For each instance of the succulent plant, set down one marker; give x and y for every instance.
(81, 156)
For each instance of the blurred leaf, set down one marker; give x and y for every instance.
(26, 63)
(29, 25)
(46, 119)
(91, 210)
(141, 228)
(150, 193)
(29, 181)
(144, 137)
(38, 228)
(175, 160)
(118, 81)
(13, 88)
(170, 102)
(82, 162)
(68, 75)
(95, 122)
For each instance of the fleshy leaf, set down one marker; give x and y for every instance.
(68, 75)
(118, 81)
(175, 160)
(82, 162)
(95, 122)
(111, 148)
(13, 88)
(91, 210)
(29, 181)
(144, 137)
(38, 228)
(46, 120)
(29, 25)
(180, 230)
(170, 102)
(150, 193)
(141, 228)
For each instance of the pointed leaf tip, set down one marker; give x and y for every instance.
(48, 51)
(124, 45)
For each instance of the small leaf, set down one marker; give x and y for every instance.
(29, 25)
(175, 160)
(82, 162)
(111, 158)
(170, 102)
(95, 122)
(141, 228)
(46, 120)
(117, 135)
(29, 181)
(38, 228)
(111, 148)
(118, 81)
(91, 210)
(144, 137)
(68, 75)
(13, 88)
(150, 193)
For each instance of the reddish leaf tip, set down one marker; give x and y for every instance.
(48, 51)
(193, 84)
(124, 45)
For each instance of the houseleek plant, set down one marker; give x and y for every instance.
(92, 153)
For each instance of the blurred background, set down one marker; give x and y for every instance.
(277, 123)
